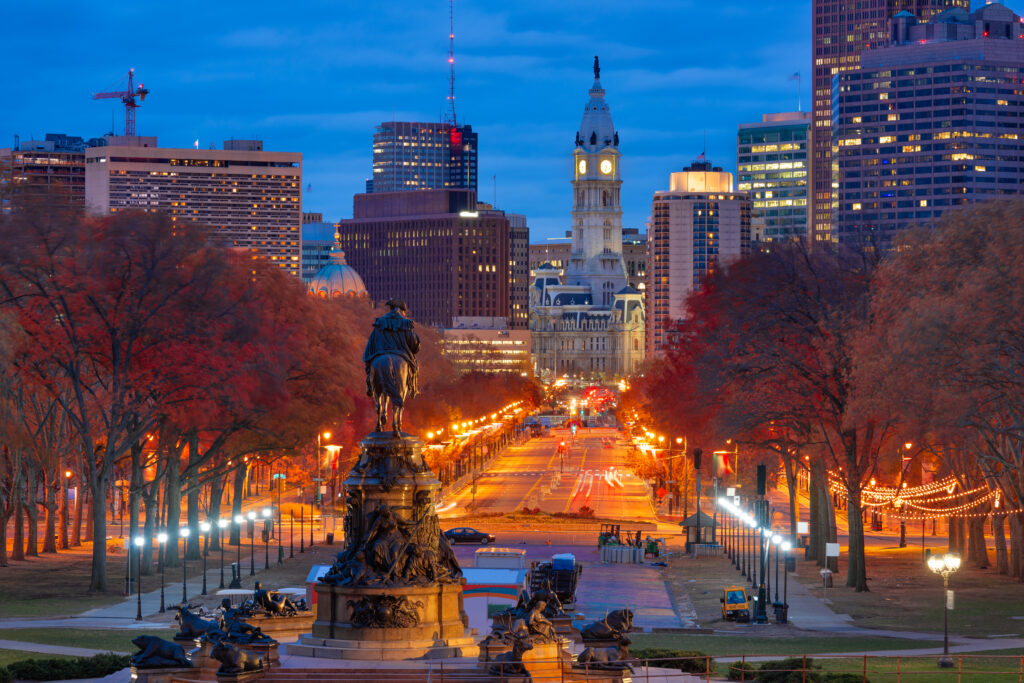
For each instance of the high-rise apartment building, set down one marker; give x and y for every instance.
(772, 164)
(932, 121)
(842, 30)
(251, 199)
(699, 224)
(434, 249)
(423, 156)
(519, 272)
(53, 167)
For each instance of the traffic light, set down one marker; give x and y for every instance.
(697, 452)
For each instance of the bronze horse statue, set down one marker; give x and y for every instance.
(390, 360)
(389, 383)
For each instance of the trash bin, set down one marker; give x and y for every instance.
(826, 578)
(790, 563)
(329, 540)
(781, 613)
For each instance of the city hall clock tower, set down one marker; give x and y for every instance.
(596, 259)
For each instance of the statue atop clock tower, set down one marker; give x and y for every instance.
(596, 258)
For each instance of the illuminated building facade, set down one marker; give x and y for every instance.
(251, 199)
(318, 241)
(53, 167)
(587, 321)
(930, 122)
(423, 156)
(434, 249)
(471, 347)
(772, 159)
(842, 30)
(699, 224)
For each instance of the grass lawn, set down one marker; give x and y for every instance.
(905, 595)
(11, 656)
(57, 585)
(725, 645)
(976, 668)
(112, 640)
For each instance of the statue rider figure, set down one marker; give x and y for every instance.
(393, 334)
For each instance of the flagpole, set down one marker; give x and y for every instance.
(799, 92)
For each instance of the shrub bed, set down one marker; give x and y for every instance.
(96, 666)
(687, 661)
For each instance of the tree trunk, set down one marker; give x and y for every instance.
(32, 512)
(50, 489)
(236, 504)
(192, 545)
(213, 511)
(999, 534)
(76, 527)
(63, 483)
(1016, 536)
(135, 491)
(99, 485)
(815, 517)
(90, 518)
(150, 501)
(977, 552)
(18, 552)
(856, 576)
(791, 464)
(172, 496)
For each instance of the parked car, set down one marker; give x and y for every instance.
(467, 535)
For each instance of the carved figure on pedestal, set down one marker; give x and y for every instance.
(511, 663)
(234, 660)
(614, 625)
(273, 602)
(157, 653)
(390, 360)
(192, 626)
(384, 611)
(617, 657)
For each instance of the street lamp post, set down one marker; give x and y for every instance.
(205, 527)
(786, 547)
(221, 523)
(138, 578)
(302, 530)
(776, 541)
(267, 523)
(184, 533)
(236, 572)
(945, 566)
(319, 449)
(252, 542)
(162, 539)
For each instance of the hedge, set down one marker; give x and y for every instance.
(687, 661)
(96, 666)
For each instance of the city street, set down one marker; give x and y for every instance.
(534, 475)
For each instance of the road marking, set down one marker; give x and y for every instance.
(522, 503)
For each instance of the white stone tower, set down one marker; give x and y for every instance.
(596, 259)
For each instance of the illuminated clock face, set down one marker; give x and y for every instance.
(606, 166)
(582, 166)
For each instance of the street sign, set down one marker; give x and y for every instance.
(831, 550)
(661, 492)
(731, 491)
(803, 527)
(949, 599)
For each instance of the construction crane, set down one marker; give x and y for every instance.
(127, 98)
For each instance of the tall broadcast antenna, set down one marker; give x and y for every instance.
(456, 170)
(450, 114)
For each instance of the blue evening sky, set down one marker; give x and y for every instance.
(316, 76)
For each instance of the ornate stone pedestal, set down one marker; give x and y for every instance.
(283, 628)
(396, 590)
(165, 675)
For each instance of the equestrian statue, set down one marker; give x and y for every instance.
(390, 360)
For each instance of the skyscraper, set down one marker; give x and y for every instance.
(423, 156)
(772, 165)
(589, 322)
(435, 249)
(841, 31)
(250, 198)
(929, 122)
(699, 224)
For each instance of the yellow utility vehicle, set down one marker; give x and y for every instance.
(735, 604)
